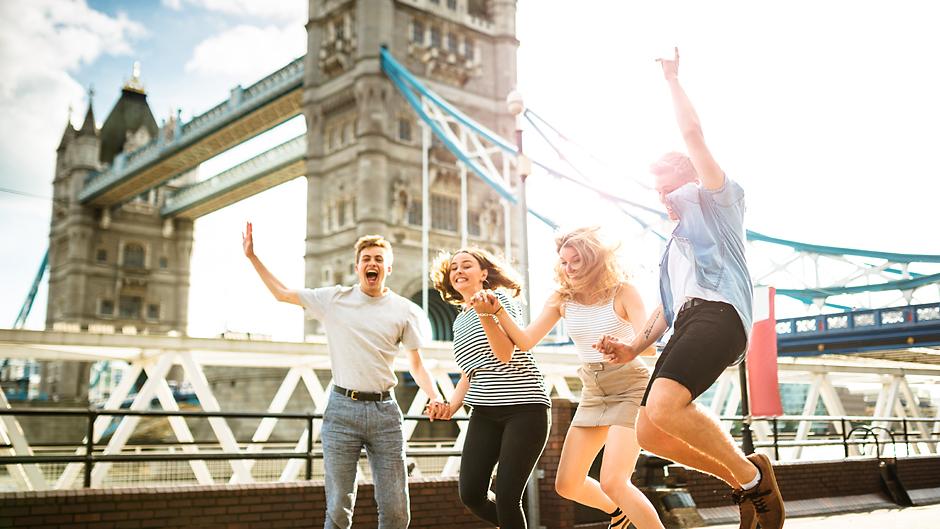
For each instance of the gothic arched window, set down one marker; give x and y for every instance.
(134, 256)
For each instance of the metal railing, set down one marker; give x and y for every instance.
(877, 430)
(89, 458)
(906, 316)
(845, 433)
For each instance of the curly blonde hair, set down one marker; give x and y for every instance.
(601, 276)
(498, 274)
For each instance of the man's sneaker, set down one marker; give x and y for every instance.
(766, 496)
(746, 508)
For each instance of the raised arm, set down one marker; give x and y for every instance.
(691, 128)
(526, 339)
(500, 343)
(281, 293)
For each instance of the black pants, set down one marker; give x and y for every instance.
(707, 339)
(512, 436)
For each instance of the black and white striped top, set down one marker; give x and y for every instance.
(493, 383)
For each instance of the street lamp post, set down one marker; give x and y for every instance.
(747, 438)
(523, 169)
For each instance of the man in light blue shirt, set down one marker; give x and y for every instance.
(706, 296)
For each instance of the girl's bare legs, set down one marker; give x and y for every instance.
(577, 455)
(620, 455)
(615, 489)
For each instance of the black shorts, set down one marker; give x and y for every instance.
(708, 337)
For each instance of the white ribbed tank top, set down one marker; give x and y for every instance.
(587, 323)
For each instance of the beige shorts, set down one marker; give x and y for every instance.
(611, 393)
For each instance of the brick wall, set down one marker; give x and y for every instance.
(919, 472)
(434, 504)
(555, 512)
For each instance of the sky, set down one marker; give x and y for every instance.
(826, 113)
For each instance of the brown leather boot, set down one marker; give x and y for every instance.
(766, 496)
(745, 508)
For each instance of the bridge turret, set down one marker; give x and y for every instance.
(122, 267)
(87, 142)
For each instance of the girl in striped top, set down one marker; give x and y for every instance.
(510, 419)
(594, 300)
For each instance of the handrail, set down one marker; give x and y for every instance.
(887, 317)
(89, 457)
(92, 453)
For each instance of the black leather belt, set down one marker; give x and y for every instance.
(362, 395)
(691, 302)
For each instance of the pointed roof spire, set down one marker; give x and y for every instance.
(69, 132)
(89, 127)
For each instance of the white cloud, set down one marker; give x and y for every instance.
(245, 53)
(40, 42)
(276, 10)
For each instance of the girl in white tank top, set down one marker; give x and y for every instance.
(595, 301)
(585, 324)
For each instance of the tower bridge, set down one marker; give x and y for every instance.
(409, 141)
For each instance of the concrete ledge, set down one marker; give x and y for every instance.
(811, 507)
(925, 496)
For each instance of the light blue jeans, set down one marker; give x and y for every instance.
(348, 426)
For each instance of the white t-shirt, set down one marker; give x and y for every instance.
(682, 280)
(364, 333)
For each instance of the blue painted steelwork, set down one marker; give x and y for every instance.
(241, 102)
(835, 250)
(278, 157)
(860, 330)
(809, 294)
(31, 296)
(407, 84)
(392, 67)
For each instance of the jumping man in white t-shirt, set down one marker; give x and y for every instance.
(365, 324)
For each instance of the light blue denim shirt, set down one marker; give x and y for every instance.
(711, 223)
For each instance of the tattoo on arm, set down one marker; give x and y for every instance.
(649, 327)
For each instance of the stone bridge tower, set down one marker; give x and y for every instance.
(364, 141)
(120, 268)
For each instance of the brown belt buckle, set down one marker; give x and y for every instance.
(354, 395)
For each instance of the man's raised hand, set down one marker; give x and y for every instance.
(248, 244)
(670, 67)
